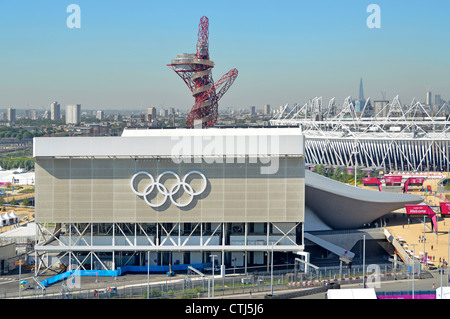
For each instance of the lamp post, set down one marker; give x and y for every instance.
(424, 239)
(212, 260)
(148, 274)
(414, 254)
(271, 273)
(20, 278)
(364, 261)
(355, 152)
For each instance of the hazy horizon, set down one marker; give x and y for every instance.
(285, 52)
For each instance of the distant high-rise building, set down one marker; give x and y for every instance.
(437, 99)
(73, 113)
(253, 110)
(428, 98)
(380, 108)
(151, 114)
(31, 114)
(100, 115)
(361, 92)
(267, 109)
(11, 115)
(358, 106)
(163, 113)
(55, 111)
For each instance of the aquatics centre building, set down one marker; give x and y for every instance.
(180, 196)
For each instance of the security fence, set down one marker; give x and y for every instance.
(183, 286)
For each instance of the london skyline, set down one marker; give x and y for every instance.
(286, 52)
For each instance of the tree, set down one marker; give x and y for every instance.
(345, 177)
(337, 174)
(26, 202)
(13, 202)
(321, 170)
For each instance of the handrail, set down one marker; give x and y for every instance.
(196, 271)
(398, 247)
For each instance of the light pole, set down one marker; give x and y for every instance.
(271, 273)
(413, 263)
(20, 278)
(364, 261)
(212, 259)
(355, 152)
(424, 239)
(148, 274)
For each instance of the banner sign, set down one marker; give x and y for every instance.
(416, 180)
(416, 211)
(391, 179)
(371, 181)
(445, 209)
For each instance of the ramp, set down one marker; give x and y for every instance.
(196, 271)
(344, 254)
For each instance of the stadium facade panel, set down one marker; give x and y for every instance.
(180, 195)
(184, 195)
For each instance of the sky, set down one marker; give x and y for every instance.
(285, 51)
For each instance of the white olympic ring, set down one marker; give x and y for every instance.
(164, 191)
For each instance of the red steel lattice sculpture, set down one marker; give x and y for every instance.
(196, 72)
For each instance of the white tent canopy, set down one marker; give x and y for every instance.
(10, 218)
(14, 217)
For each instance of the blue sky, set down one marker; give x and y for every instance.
(285, 51)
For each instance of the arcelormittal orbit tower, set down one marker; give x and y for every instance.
(195, 70)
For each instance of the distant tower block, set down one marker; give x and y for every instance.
(361, 91)
(195, 70)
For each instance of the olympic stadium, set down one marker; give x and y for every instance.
(160, 197)
(383, 135)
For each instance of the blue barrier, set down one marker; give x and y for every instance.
(122, 271)
(161, 269)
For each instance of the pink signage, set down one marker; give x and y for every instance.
(445, 209)
(418, 210)
(421, 211)
(371, 181)
(416, 180)
(391, 179)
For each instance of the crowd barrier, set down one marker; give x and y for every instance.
(122, 271)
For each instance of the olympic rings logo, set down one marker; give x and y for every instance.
(180, 183)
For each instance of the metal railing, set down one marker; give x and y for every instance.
(190, 286)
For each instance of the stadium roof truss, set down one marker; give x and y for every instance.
(395, 137)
